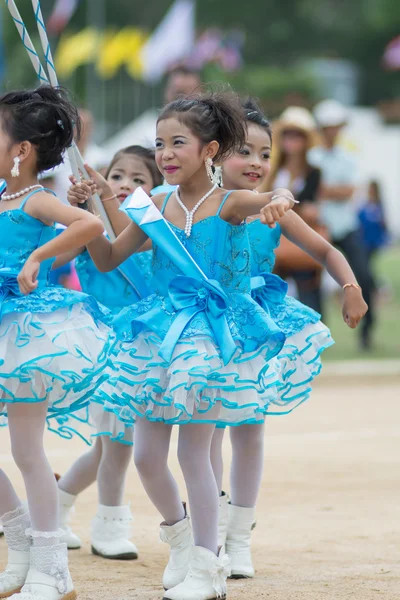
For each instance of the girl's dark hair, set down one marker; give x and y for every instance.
(254, 114)
(216, 116)
(45, 117)
(148, 157)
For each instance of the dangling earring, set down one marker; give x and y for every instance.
(217, 177)
(15, 169)
(209, 164)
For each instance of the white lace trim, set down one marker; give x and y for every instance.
(53, 561)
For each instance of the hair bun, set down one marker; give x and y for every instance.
(45, 117)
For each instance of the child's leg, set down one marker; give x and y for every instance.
(194, 458)
(151, 449)
(78, 477)
(16, 521)
(49, 559)
(112, 525)
(83, 472)
(208, 567)
(218, 468)
(111, 475)
(216, 457)
(9, 500)
(151, 459)
(26, 424)
(247, 464)
(246, 475)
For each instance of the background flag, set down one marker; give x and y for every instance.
(61, 15)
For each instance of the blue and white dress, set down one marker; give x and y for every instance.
(54, 343)
(306, 336)
(115, 292)
(186, 357)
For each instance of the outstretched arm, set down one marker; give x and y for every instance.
(271, 206)
(108, 256)
(298, 232)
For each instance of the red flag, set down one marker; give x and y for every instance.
(61, 15)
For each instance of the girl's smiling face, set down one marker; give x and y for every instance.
(248, 168)
(128, 173)
(179, 153)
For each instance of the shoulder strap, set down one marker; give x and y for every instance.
(25, 200)
(225, 198)
(167, 197)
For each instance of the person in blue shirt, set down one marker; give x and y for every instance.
(372, 221)
(338, 211)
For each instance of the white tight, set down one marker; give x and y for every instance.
(26, 424)
(247, 463)
(107, 462)
(152, 441)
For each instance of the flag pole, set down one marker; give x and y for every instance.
(76, 160)
(73, 152)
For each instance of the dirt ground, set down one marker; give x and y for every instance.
(328, 522)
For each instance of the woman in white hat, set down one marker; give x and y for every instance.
(294, 135)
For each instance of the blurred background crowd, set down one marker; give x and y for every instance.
(327, 74)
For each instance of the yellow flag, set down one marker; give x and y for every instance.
(76, 50)
(121, 48)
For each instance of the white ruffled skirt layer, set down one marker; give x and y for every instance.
(59, 357)
(197, 387)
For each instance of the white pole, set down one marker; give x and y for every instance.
(74, 154)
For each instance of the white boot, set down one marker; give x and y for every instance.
(180, 539)
(66, 505)
(14, 576)
(238, 541)
(111, 530)
(42, 586)
(206, 578)
(222, 520)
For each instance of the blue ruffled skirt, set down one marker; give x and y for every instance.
(54, 346)
(194, 383)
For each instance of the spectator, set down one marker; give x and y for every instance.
(338, 210)
(294, 135)
(372, 221)
(181, 81)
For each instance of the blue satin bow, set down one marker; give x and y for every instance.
(8, 284)
(268, 286)
(189, 297)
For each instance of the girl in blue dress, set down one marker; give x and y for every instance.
(54, 343)
(193, 377)
(185, 358)
(300, 356)
(108, 461)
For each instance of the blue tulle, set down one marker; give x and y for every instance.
(54, 343)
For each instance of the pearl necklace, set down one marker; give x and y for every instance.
(21, 192)
(190, 213)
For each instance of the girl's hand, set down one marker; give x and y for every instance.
(102, 186)
(282, 201)
(80, 191)
(27, 278)
(354, 306)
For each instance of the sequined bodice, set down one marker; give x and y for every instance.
(263, 243)
(20, 235)
(220, 249)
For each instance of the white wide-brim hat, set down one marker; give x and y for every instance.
(331, 113)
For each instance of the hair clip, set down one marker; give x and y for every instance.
(60, 124)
